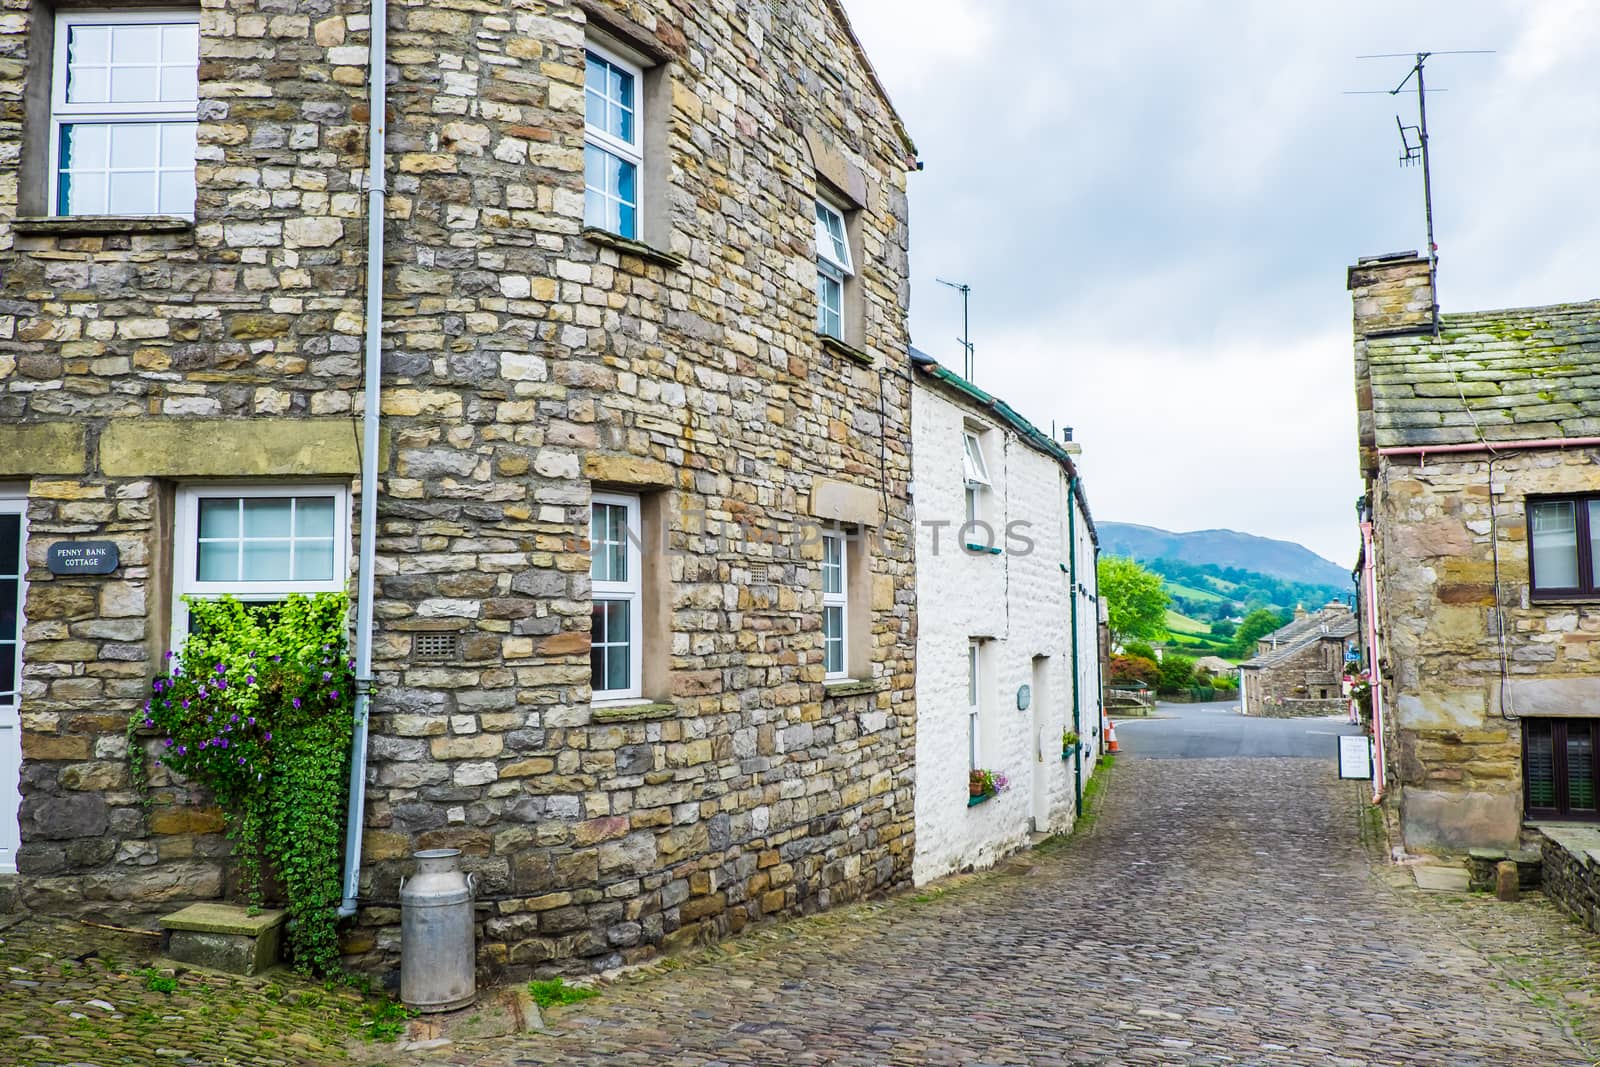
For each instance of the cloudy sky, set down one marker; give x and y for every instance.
(1155, 202)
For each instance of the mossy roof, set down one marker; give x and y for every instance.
(1520, 374)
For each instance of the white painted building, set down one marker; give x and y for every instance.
(1003, 529)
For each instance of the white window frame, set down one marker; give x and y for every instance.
(840, 600)
(631, 591)
(830, 265)
(64, 114)
(16, 503)
(975, 472)
(974, 705)
(186, 554)
(627, 151)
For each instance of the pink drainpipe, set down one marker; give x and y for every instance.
(1494, 446)
(1369, 581)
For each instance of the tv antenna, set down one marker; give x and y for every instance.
(968, 356)
(1414, 146)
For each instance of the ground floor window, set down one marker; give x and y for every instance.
(1559, 769)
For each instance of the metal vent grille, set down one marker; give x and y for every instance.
(436, 648)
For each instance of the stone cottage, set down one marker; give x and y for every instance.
(644, 274)
(1298, 669)
(1008, 626)
(1481, 602)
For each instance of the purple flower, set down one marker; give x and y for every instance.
(222, 683)
(183, 750)
(252, 720)
(185, 704)
(241, 760)
(296, 702)
(277, 659)
(169, 742)
(269, 735)
(149, 722)
(234, 719)
(333, 695)
(221, 669)
(249, 679)
(327, 676)
(169, 655)
(223, 743)
(202, 693)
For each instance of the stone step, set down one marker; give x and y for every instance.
(224, 937)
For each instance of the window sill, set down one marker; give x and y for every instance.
(629, 247)
(833, 344)
(99, 225)
(1536, 600)
(631, 712)
(981, 550)
(848, 687)
(973, 802)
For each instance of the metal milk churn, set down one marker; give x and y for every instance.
(437, 954)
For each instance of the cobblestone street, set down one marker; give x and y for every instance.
(1219, 911)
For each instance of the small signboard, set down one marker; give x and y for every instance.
(82, 557)
(1355, 756)
(1024, 697)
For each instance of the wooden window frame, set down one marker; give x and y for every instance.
(1587, 587)
(1560, 729)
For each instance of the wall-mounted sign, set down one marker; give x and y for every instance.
(82, 557)
(1355, 756)
(1024, 697)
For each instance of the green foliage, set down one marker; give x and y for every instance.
(1140, 650)
(1224, 628)
(1136, 604)
(1133, 670)
(157, 982)
(1208, 591)
(257, 708)
(387, 1021)
(1258, 624)
(1175, 673)
(1225, 683)
(554, 991)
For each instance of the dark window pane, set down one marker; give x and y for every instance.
(10, 544)
(1539, 766)
(1555, 544)
(9, 592)
(8, 667)
(1580, 767)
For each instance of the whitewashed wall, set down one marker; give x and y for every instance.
(1018, 602)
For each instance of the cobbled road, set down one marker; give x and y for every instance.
(1217, 911)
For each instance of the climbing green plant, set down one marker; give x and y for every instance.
(256, 707)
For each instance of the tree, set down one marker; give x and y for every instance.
(1258, 624)
(1177, 673)
(1224, 628)
(1136, 604)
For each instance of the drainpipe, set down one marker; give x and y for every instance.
(1375, 680)
(1072, 592)
(377, 129)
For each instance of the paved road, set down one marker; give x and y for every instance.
(1219, 911)
(1204, 731)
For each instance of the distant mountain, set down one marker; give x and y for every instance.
(1225, 549)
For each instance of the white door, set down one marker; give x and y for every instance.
(13, 526)
(1045, 751)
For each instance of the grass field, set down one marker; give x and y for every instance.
(1182, 624)
(1193, 593)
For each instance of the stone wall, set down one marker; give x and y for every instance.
(1302, 709)
(1018, 603)
(1300, 677)
(524, 362)
(1458, 751)
(1570, 876)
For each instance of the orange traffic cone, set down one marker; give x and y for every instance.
(1111, 737)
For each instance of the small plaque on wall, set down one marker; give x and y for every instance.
(1024, 697)
(82, 557)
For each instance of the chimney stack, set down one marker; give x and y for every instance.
(1392, 293)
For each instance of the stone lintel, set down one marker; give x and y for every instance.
(231, 448)
(1558, 697)
(844, 502)
(43, 448)
(847, 179)
(630, 471)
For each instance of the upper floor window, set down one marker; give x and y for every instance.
(259, 543)
(835, 603)
(613, 142)
(615, 571)
(834, 268)
(976, 472)
(124, 113)
(1564, 556)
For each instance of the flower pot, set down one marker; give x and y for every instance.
(974, 789)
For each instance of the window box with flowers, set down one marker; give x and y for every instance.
(982, 785)
(1069, 743)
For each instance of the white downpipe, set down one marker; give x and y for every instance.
(377, 129)
(1375, 680)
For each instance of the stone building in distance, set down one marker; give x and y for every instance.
(646, 275)
(1482, 598)
(1298, 669)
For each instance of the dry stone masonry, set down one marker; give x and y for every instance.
(528, 362)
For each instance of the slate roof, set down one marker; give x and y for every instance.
(1525, 373)
(1304, 632)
